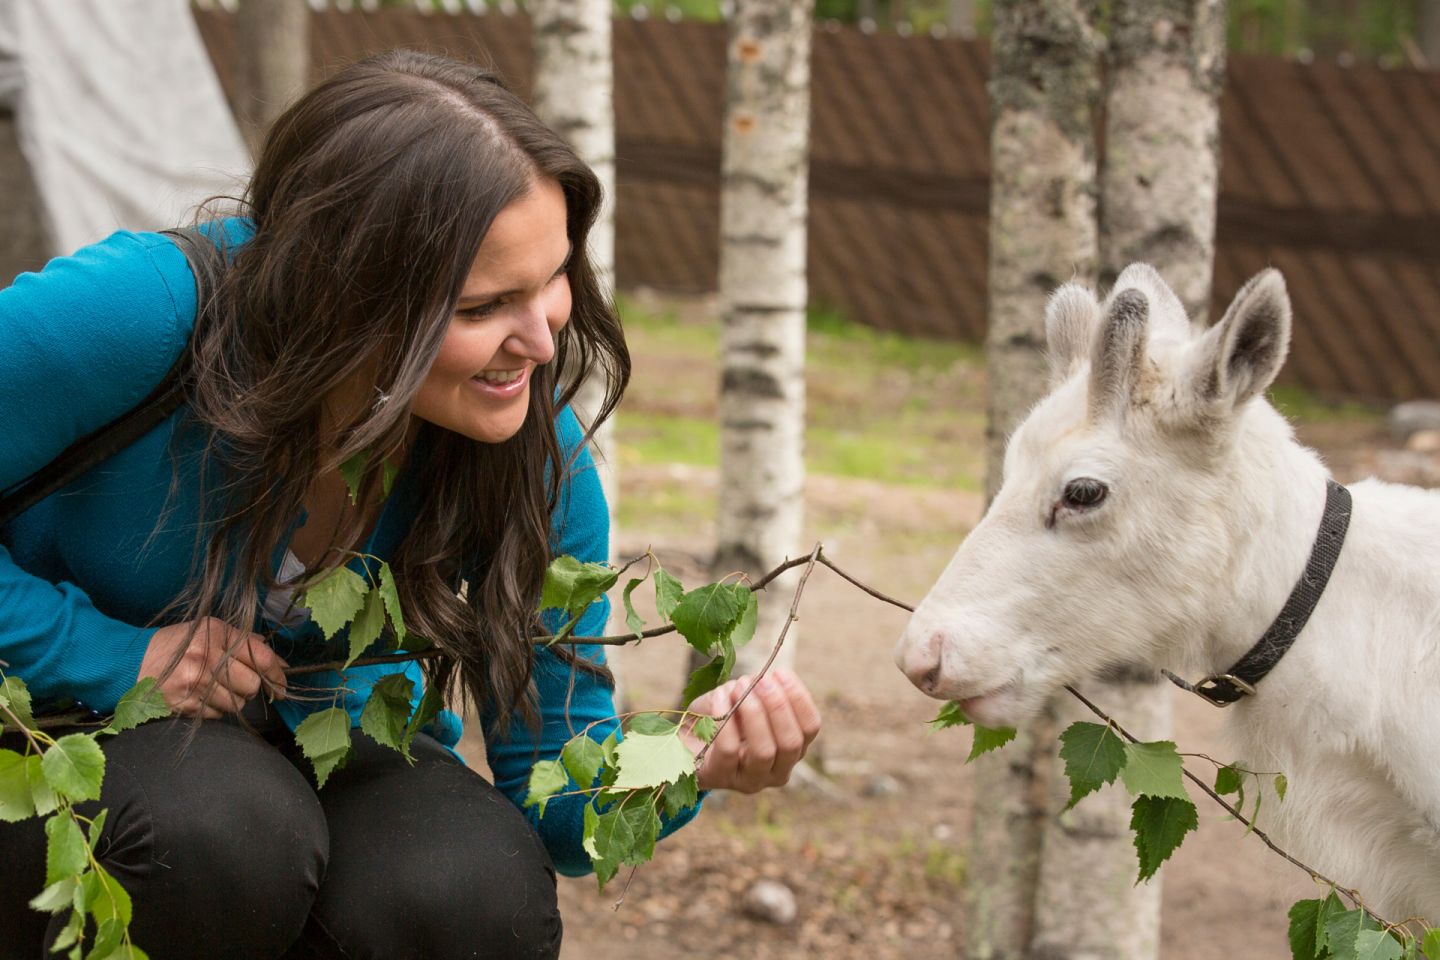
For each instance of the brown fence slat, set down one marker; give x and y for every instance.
(1330, 174)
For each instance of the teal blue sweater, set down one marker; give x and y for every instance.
(83, 572)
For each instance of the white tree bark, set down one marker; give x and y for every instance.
(1158, 190)
(1430, 31)
(273, 37)
(1044, 91)
(574, 96)
(763, 294)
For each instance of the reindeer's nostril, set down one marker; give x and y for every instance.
(930, 680)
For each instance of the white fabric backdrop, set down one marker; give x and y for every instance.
(119, 113)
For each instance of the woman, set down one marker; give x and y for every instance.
(408, 281)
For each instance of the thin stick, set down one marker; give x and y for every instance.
(774, 652)
(1315, 875)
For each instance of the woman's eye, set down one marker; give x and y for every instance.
(479, 312)
(1084, 492)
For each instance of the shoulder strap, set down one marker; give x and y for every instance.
(207, 264)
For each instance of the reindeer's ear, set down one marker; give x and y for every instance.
(1119, 354)
(1071, 317)
(1240, 356)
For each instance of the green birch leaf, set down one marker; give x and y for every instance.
(668, 592)
(1160, 824)
(388, 473)
(40, 791)
(1153, 770)
(15, 697)
(324, 738)
(704, 728)
(66, 852)
(1281, 785)
(16, 800)
(572, 586)
(654, 724)
(1093, 757)
(1228, 780)
(1342, 933)
(1377, 945)
(749, 619)
(367, 625)
(644, 827)
(352, 471)
(390, 593)
(681, 795)
(583, 759)
(1305, 929)
(97, 828)
(633, 620)
(387, 710)
(651, 761)
(1431, 944)
(74, 767)
(547, 778)
(604, 869)
(140, 703)
(707, 615)
(335, 600)
(55, 897)
(703, 680)
(950, 715)
(612, 838)
(1329, 907)
(70, 933)
(128, 951)
(107, 898)
(1412, 950)
(587, 836)
(107, 939)
(430, 706)
(988, 738)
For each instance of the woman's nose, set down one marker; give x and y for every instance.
(533, 337)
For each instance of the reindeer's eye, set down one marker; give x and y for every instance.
(1084, 492)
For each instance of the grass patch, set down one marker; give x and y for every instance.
(879, 406)
(1300, 404)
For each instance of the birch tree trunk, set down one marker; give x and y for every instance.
(1158, 191)
(574, 96)
(763, 295)
(1042, 232)
(273, 37)
(1430, 32)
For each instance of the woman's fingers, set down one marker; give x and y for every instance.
(790, 741)
(757, 742)
(722, 758)
(268, 665)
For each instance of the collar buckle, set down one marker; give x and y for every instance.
(1222, 689)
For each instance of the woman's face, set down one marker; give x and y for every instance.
(513, 304)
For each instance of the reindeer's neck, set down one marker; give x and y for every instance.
(1276, 498)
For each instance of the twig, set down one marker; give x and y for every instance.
(1315, 875)
(774, 651)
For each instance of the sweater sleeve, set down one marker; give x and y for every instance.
(81, 342)
(570, 700)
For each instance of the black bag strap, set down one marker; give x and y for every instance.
(207, 263)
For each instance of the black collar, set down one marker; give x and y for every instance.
(1223, 689)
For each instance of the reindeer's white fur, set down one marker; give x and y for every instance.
(1211, 514)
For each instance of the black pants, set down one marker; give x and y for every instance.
(230, 853)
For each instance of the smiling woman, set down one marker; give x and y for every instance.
(404, 283)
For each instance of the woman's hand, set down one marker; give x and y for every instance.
(765, 738)
(193, 688)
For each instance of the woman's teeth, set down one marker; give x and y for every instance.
(500, 376)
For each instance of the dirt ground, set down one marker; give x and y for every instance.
(873, 844)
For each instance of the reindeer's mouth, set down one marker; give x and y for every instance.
(994, 708)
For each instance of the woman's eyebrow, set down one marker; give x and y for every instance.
(485, 296)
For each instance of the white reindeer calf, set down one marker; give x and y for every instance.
(1156, 509)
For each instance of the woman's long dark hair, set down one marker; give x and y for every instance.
(370, 199)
